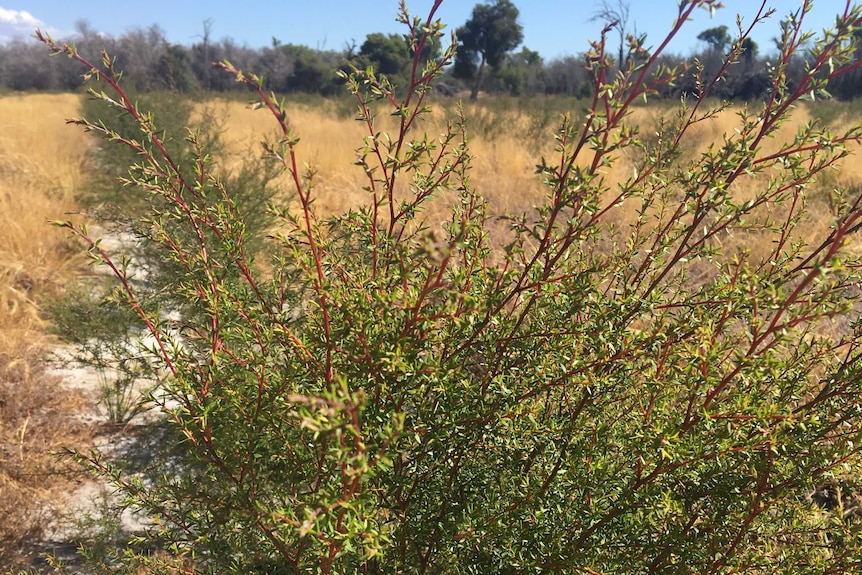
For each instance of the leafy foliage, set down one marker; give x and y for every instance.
(388, 55)
(491, 32)
(716, 38)
(399, 396)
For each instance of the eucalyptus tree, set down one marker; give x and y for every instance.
(486, 38)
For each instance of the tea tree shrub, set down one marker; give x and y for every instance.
(102, 331)
(597, 395)
(252, 182)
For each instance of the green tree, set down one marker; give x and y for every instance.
(716, 38)
(491, 32)
(749, 50)
(392, 55)
(523, 73)
(174, 69)
(388, 55)
(312, 71)
(567, 76)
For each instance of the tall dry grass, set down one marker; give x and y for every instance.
(504, 165)
(507, 143)
(41, 170)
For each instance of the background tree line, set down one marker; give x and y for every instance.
(487, 59)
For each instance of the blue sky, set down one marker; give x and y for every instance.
(552, 27)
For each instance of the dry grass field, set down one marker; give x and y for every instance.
(43, 169)
(507, 143)
(503, 165)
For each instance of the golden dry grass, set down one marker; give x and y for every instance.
(40, 173)
(503, 164)
(503, 167)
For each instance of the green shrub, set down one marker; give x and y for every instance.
(103, 332)
(400, 397)
(116, 207)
